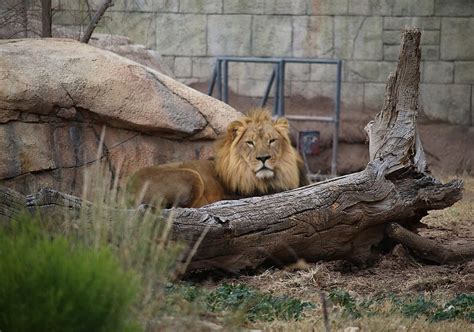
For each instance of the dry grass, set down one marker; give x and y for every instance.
(397, 273)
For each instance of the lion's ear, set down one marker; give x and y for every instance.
(234, 128)
(281, 124)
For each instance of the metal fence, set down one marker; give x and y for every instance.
(220, 77)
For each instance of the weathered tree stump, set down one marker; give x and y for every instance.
(341, 218)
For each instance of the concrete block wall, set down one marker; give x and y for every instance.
(365, 34)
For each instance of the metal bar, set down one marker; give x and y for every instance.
(277, 90)
(225, 97)
(219, 79)
(310, 118)
(277, 60)
(269, 87)
(336, 122)
(211, 85)
(281, 89)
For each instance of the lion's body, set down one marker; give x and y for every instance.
(253, 158)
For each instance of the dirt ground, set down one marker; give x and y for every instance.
(450, 153)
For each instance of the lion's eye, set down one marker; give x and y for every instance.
(272, 141)
(250, 143)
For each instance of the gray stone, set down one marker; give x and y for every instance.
(328, 7)
(424, 23)
(367, 71)
(373, 96)
(392, 37)
(352, 96)
(428, 37)
(413, 8)
(183, 66)
(271, 35)
(438, 72)
(447, 102)
(358, 37)
(323, 73)
(370, 7)
(202, 67)
(139, 27)
(313, 36)
(244, 6)
(454, 8)
(259, 71)
(464, 72)
(161, 6)
(311, 90)
(429, 52)
(181, 34)
(229, 34)
(201, 6)
(457, 39)
(169, 62)
(285, 7)
(297, 71)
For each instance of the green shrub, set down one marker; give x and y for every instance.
(51, 284)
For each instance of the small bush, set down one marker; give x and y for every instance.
(50, 284)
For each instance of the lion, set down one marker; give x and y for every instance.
(253, 158)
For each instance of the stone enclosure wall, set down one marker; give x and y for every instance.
(365, 34)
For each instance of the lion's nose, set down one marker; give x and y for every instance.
(263, 159)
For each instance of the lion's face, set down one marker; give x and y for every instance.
(261, 147)
(256, 157)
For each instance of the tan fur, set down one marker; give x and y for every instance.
(235, 172)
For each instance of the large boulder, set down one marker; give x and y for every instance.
(57, 94)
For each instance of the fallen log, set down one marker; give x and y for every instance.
(341, 218)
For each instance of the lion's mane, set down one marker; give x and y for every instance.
(234, 172)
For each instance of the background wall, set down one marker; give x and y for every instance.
(365, 34)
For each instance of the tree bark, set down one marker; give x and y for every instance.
(341, 218)
(95, 20)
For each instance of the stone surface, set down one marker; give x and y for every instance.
(202, 67)
(268, 41)
(454, 8)
(313, 36)
(447, 102)
(323, 73)
(374, 96)
(140, 54)
(457, 39)
(229, 34)
(183, 66)
(139, 27)
(55, 96)
(424, 23)
(370, 7)
(437, 72)
(367, 71)
(412, 8)
(464, 72)
(294, 7)
(188, 34)
(358, 38)
(328, 7)
(244, 6)
(200, 6)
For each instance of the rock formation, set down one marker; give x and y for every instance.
(57, 94)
